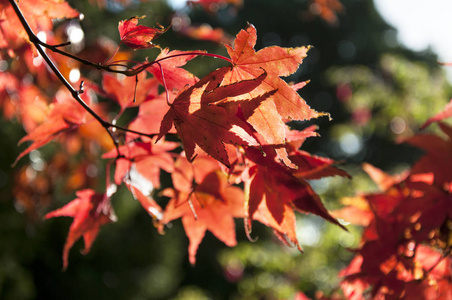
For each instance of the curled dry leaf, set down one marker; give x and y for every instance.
(138, 36)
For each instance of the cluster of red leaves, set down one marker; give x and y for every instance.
(232, 130)
(232, 115)
(31, 95)
(39, 15)
(406, 245)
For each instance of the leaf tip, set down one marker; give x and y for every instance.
(300, 248)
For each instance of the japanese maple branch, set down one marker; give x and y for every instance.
(75, 93)
(35, 40)
(110, 67)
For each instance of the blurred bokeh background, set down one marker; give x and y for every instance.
(376, 89)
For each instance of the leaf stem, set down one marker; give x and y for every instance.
(109, 67)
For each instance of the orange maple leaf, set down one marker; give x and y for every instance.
(204, 200)
(285, 103)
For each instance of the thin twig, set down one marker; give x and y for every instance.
(129, 71)
(34, 39)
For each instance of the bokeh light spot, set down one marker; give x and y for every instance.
(398, 125)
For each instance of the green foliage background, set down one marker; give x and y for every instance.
(130, 260)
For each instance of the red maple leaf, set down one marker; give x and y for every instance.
(201, 117)
(353, 288)
(311, 167)
(145, 158)
(436, 272)
(423, 275)
(138, 36)
(430, 182)
(274, 191)
(358, 211)
(385, 233)
(90, 211)
(139, 165)
(204, 200)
